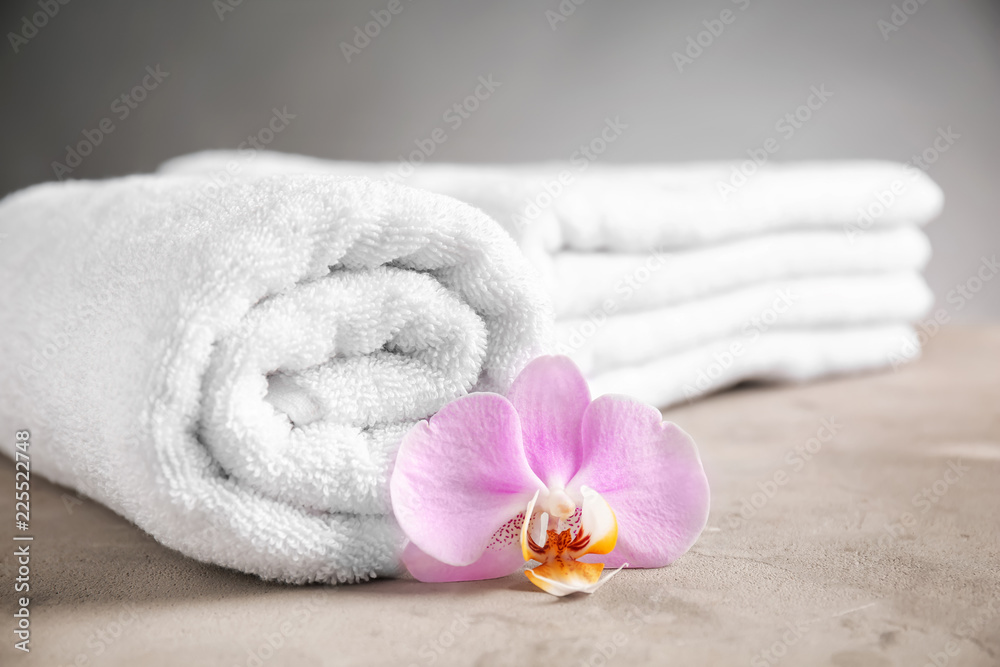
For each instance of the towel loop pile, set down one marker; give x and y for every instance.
(667, 290)
(233, 373)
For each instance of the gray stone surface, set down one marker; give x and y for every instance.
(845, 566)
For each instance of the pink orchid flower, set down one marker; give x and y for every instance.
(605, 481)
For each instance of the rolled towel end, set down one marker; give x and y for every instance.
(231, 366)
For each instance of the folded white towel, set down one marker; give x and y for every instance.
(584, 282)
(601, 343)
(233, 372)
(779, 355)
(637, 208)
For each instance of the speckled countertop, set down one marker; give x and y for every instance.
(855, 523)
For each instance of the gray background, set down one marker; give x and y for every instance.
(890, 96)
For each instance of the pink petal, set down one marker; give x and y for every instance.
(528, 552)
(597, 520)
(492, 564)
(460, 477)
(574, 580)
(550, 396)
(650, 474)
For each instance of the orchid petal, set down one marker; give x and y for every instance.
(460, 477)
(492, 564)
(550, 396)
(562, 588)
(528, 548)
(650, 473)
(562, 578)
(597, 523)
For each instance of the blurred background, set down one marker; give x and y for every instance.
(900, 75)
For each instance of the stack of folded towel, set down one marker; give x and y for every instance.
(673, 281)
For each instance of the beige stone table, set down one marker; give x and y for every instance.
(883, 548)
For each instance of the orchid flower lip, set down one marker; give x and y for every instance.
(557, 550)
(561, 589)
(543, 528)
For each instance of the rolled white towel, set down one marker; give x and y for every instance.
(233, 373)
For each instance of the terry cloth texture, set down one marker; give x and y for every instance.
(670, 281)
(231, 368)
